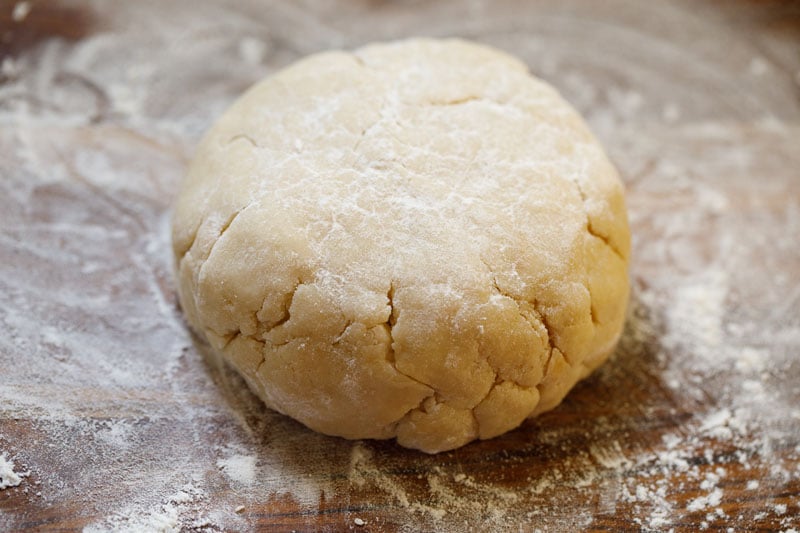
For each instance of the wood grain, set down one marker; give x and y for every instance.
(122, 420)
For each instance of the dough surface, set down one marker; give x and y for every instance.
(415, 240)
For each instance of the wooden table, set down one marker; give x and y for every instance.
(113, 417)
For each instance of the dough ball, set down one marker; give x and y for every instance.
(417, 240)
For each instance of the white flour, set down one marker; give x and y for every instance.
(114, 415)
(8, 477)
(240, 468)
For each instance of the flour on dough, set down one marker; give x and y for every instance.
(418, 240)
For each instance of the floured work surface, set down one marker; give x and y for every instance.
(113, 417)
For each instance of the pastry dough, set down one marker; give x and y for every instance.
(416, 240)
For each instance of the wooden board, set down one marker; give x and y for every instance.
(113, 417)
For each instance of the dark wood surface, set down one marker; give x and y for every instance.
(118, 419)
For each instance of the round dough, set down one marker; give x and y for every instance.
(415, 240)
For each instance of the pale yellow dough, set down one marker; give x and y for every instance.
(415, 240)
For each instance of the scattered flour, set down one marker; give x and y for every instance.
(20, 11)
(240, 468)
(93, 149)
(178, 512)
(252, 50)
(8, 477)
(701, 502)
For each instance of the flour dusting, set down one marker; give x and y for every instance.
(178, 512)
(114, 417)
(8, 476)
(240, 468)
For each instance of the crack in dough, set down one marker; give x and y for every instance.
(244, 137)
